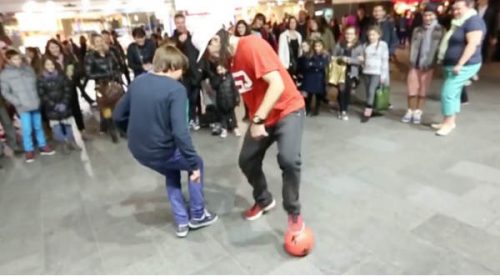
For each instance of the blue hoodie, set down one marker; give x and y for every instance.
(154, 115)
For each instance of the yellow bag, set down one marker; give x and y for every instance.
(107, 113)
(337, 71)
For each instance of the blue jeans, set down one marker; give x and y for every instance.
(63, 132)
(171, 168)
(32, 121)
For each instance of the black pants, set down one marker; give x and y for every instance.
(344, 97)
(194, 103)
(288, 135)
(310, 107)
(228, 119)
(464, 97)
(8, 128)
(77, 111)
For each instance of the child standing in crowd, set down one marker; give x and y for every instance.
(154, 114)
(425, 43)
(227, 98)
(350, 52)
(18, 82)
(55, 93)
(375, 69)
(314, 76)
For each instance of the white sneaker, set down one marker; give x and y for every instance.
(344, 116)
(407, 117)
(417, 117)
(237, 132)
(223, 133)
(194, 125)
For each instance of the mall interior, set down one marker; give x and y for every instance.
(381, 193)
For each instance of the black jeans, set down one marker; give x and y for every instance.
(288, 135)
(228, 119)
(309, 102)
(464, 97)
(344, 97)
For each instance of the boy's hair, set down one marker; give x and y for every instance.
(138, 33)
(11, 53)
(169, 58)
(179, 15)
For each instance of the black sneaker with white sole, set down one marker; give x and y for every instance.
(207, 220)
(182, 231)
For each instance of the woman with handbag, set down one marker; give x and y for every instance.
(103, 67)
(350, 53)
(55, 94)
(375, 68)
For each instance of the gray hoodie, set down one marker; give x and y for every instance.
(18, 86)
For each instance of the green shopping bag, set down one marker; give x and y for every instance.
(382, 98)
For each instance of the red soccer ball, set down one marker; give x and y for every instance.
(299, 244)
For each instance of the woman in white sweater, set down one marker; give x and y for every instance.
(375, 69)
(290, 42)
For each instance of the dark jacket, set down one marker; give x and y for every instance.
(490, 19)
(102, 68)
(363, 24)
(416, 40)
(137, 56)
(191, 77)
(154, 115)
(55, 92)
(227, 96)
(389, 34)
(313, 71)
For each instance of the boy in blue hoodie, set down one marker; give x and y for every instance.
(154, 113)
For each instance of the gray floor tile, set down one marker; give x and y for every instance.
(475, 244)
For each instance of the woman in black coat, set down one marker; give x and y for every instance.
(102, 66)
(56, 94)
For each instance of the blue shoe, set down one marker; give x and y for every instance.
(182, 231)
(206, 220)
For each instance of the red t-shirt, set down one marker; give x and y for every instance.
(253, 59)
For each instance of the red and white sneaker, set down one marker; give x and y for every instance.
(257, 211)
(29, 157)
(47, 151)
(296, 223)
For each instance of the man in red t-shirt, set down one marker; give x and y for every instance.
(276, 109)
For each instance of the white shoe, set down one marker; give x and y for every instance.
(237, 132)
(407, 117)
(344, 116)
(445, 130)
(417, 117)
(223, 133)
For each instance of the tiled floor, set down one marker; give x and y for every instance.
(382, 198)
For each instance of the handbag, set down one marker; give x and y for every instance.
(382, 98)
(336, 72)
(110, 93)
